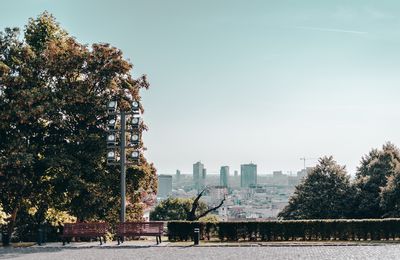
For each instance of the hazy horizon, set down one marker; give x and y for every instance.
(262, 81)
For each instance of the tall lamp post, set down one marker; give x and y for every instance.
(117, 144)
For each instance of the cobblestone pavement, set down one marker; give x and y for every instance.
(178, 253)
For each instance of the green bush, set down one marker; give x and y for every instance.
(320, 229)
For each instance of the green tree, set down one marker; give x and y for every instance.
(53, 92)
(210, 218)
(326, 192)
(390, 195)
(176, 209)
(22, 128)
(376, 168)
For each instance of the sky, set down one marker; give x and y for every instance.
(259, 81)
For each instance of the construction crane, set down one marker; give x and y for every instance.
(304, 159)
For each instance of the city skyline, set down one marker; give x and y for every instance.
(234, 82)
(231, 174)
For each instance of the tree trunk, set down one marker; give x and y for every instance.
(10, 227)
(191, 216)
(212, 209)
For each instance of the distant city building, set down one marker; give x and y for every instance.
(217, 194)
(224, 176)
(236, 173)
(178, 175)
(248, 175)
(303, 173)
(262, 198)
(278, 178)
(203, 179)
(164, 186)
(198, 173)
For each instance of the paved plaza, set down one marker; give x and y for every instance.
(165, 252)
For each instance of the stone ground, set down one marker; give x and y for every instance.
(176, 251)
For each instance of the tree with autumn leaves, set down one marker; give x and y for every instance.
(53, 92)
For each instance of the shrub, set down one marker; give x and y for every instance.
(323, 229)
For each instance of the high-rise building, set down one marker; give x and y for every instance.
(203, 179)
(224, 176)
(248, 175)
(236, 173)
(203, 176)
(198, 169)
(178, 175)
(164, 186)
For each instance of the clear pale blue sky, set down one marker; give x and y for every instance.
(240, 81)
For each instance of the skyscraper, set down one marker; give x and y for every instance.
(164, 186)
(203, 179)
(224, 176)
(248, 175)
(198, 169)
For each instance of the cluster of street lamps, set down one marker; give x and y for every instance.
(116, 142)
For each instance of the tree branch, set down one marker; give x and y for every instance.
(192, 214)
(212, 209)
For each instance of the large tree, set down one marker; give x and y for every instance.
(376, 168)
(53, 92)
(326, 192)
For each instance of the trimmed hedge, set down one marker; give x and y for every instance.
(325, 229)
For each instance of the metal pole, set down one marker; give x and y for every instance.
(123, 167)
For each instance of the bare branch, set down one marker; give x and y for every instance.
(192, 214)
(212, 209)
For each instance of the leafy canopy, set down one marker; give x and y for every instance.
(326, 192)
(53, 92)
(377, 183)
